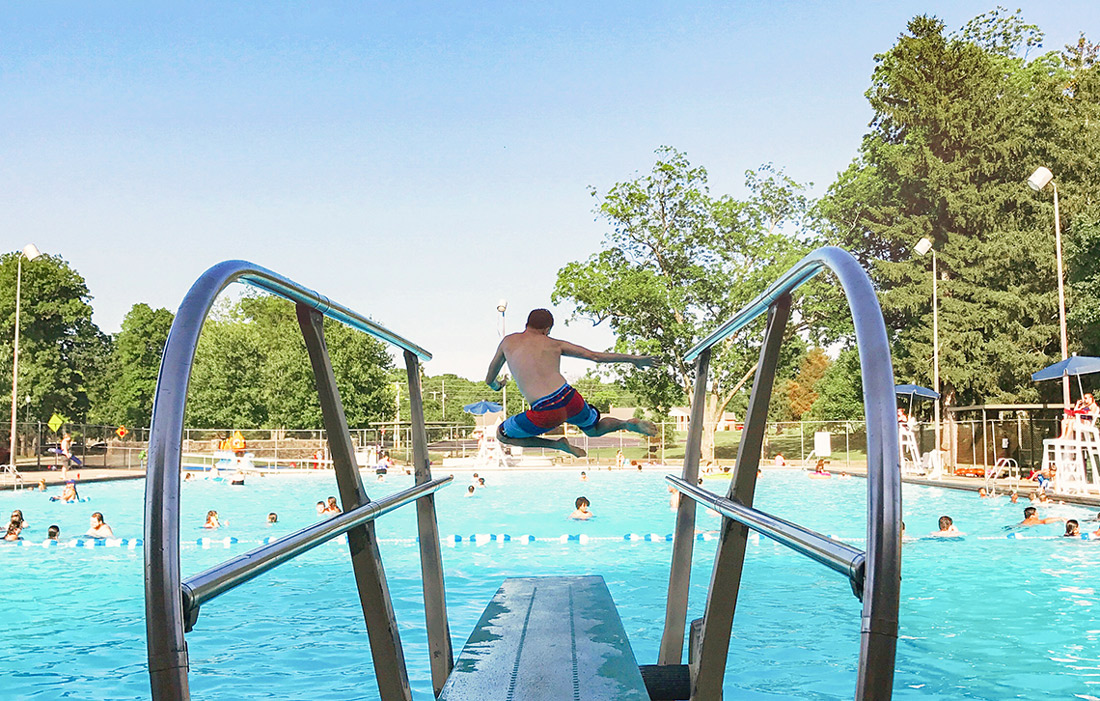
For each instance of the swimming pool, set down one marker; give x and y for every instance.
(985, 617)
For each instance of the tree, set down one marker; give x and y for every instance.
(252, 370)
(959, 122)
(802, 390)
(678, 261)
(133, 366)
(59, 346)
(840, 390)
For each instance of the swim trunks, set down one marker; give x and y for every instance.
(565, 405)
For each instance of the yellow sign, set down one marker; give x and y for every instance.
(122, 432)
(55, 422)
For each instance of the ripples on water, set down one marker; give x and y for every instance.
(984, 617)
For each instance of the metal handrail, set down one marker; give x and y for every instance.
(167, 618)
(881, 564)
(836, 555)
(205, 586)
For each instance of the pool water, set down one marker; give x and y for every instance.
(982, 617)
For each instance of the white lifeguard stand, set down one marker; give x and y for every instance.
(1076, 459)
(490, 453)
(910, 454)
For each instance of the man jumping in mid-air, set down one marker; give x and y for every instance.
(535, 359)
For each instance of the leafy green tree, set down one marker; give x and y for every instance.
(959, 123)
(252, 370)
(60, 348)
(133, 366)
(678, 261)
(840, 390)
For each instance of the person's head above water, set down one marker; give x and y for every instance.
(581, 501)
(540, 320)
(1030, 511)
(1072, 527)
(945, 523)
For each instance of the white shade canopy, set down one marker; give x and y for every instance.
(923, 246)
(31, 251)
(1040, 178)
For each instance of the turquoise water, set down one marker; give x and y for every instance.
(984, 617)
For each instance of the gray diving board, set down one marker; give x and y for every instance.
(552, 638)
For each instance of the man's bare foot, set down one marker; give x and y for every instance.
(570, 448)
(646, 428)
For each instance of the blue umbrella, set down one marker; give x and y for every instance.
(916, 391)
(482, 407)
(1075, 365)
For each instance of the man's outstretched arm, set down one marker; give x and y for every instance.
(494, 369)
(574, 351)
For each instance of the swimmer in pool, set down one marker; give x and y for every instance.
(212, 520)
(272, 518)
(535, 361)
(584, 476)
(947, 528)
(53, 532)
(1073, 529)
(470, 491)
(68, 493)
(332, 507)
(41, 485)
(320, 508)
(99, 528)
(17, 519)
(582, 513)
(12, 533)
(1031, 518)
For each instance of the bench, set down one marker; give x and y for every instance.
(552, 638)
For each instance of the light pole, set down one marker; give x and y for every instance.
(924, 246)
(30, 252)
(502, 306)
(1037, 182)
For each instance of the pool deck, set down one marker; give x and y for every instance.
(973, 484)
(53, 477)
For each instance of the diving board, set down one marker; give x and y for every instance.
(547, 638)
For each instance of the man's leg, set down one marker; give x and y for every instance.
(608, 424)
(536, 442)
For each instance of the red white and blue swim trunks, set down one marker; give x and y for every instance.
(565, 405)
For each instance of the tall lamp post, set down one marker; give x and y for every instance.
(30, 252)
(1038, 180)
(502, 306)
(923, 247)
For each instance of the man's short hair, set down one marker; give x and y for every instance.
(945, 522)
(1030, 511)
(97, 515)
(540, 319)
(581, 501)
(53, 532)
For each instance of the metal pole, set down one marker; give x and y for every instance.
(431, 560)
(672, 640)
(936, 350)
(710, 664)
(15, 357)
(366, 561)
(1061, 294)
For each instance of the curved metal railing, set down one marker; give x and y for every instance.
(875, 575)
(172, 605)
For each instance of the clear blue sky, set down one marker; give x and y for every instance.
(416, 161)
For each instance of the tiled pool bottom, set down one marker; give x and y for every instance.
(986, 617)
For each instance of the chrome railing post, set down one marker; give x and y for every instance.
(431, 560)
(710, 666)
(366, 561)
(683, 540)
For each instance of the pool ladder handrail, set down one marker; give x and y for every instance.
(875, 574)
(172, 605)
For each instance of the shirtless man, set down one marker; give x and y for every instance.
(535, 361)
(1031, 518)
(98, 528)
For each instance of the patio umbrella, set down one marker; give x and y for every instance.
(915, 391)
(482, 407)
(1076, 365)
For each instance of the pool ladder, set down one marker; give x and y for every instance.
(172, 604)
